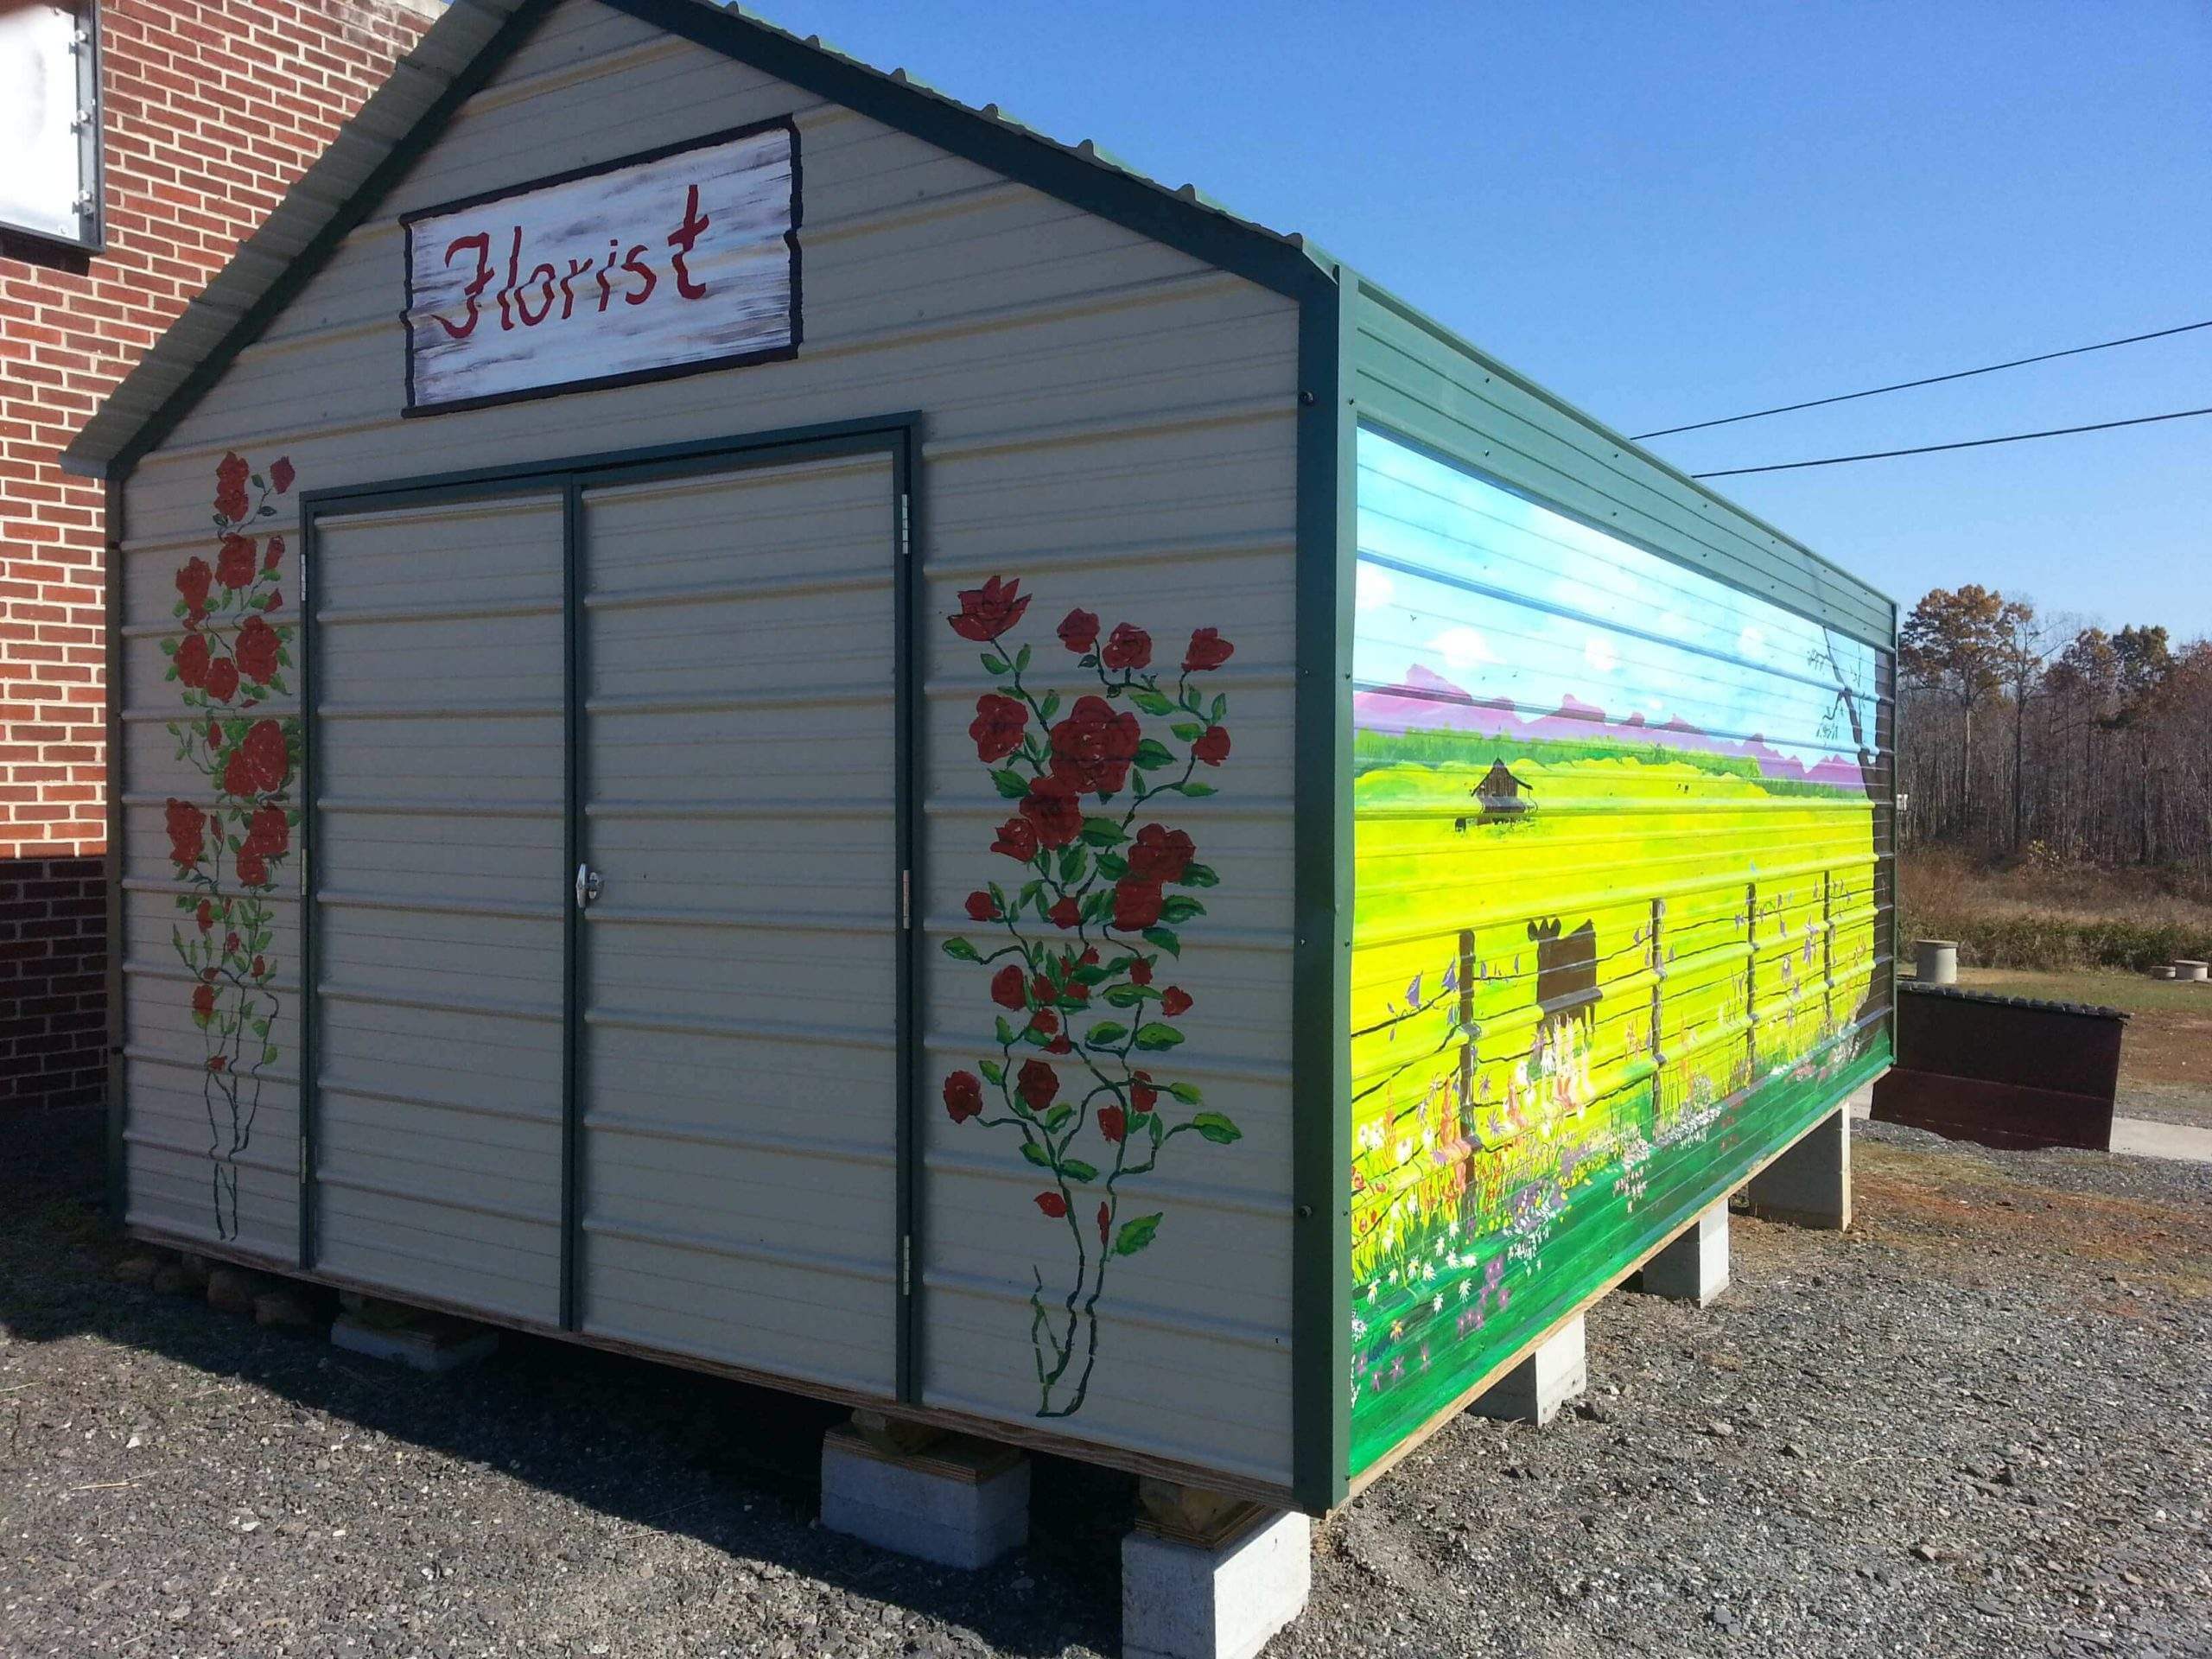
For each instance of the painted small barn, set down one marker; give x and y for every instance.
(761, 718)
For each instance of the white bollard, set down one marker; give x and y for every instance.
(1935, 962)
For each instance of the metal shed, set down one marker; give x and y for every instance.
(761, 718)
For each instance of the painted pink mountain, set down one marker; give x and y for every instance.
(1425, 701)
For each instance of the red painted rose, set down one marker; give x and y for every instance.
(997, 726)
(1079, 631)
(216, 1062)
(273, 554)
(1093, 747)
(192, 659)
(1207, 650)
(1017, 839)
(1141, 972)
(238, 775)
(1045, 1023)
(268, 832)
(1054, 810)
(204, 916)
(1037, 1083)
(1105, 1220)
(1008, 988)
(253, 868)
(988, 611)
(237, 562)
(214, 734)
(982, 907)
(260, 969)
(230, 944)
(1160, 855)
(203, 1001)
(1174, 1001)
(1060, 1044)
(264, 752)
(1136, 905)
(1113, 1123)
(1053, 1204)
(963, 1096)
(281, 473)
(255, 650)
(1142, 1094)
(187, 827)
(231, 474)
(222, 679)
(1212, 746)
(1127, 647)
(194, 582)
(1065, 912)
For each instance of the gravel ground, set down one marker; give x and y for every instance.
(1980, 1423)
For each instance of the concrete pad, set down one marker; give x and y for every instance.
(1533, 1391)
(1694, 1267)
(1810, 1185)
(2143, 1137)
(959, 1502)
(433, 1342)
(1187, 1601)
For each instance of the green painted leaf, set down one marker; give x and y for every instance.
(1186, 1092)
(1112, 866)
(1057, 1118)
(1158, 1127)
(1217, 1128)
(1181, 908)
(1220, 708)
(1165, 939)
(1051, 706)
(1011, 784)
(1200, 875)
(1152, 754)
(1073, 861)
(961, 950)
(1103, 832)
(1187, 731)
(1106, 1036)
(1155, 1035)
(1135, 1233)
(1151, 701)
(1006, 1032)
(268, 1055)
(1127, 996)
(1036, 1154)
(1194, 790)
(1021, 660)
(996, 665)
(1075, 1169)
(993, 1070)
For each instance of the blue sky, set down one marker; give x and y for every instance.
(1666, 212)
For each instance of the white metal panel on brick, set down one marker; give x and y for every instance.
(438, 878)
(738, 1070)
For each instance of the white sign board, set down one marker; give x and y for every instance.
(49, 122)
(663, 264)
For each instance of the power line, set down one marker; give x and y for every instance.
(1967, 444)
(1931, 380)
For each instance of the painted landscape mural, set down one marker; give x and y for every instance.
(1616, 918)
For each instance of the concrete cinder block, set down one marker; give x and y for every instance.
(432, 1342)
(1187, 1601)
(1533, 1391)
(1694, 1267)
(959, 1502)
(1810, 1185)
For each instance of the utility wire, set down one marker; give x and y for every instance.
(1931, 380)
(1967, 444)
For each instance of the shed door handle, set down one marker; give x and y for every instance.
(587, 886)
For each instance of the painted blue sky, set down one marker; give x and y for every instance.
(1506, 599)
(1674, 212)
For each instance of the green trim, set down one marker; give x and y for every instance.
(305, 266)
(1321, 878)
(117, 1174)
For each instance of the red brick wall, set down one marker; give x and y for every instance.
(212, 109)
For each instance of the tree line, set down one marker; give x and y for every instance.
(2027, 734)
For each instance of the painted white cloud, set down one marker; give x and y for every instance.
(1599, 652)
(1751, 643)
(1375, 587)
(1463, 647)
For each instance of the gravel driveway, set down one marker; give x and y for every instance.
(1981, 1422)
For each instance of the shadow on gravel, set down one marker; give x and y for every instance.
(651, 1444)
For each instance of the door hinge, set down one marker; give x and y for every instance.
(303, 1161)
(905, 899)
(906, 1264)
(906, 526)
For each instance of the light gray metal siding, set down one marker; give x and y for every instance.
(1106, 419)
(738, 1069)
(437, 892)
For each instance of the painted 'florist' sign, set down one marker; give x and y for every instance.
(667, 263)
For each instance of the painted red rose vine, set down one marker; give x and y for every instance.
(1086, 940)
(228, 660)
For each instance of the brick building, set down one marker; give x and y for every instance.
(209, 110)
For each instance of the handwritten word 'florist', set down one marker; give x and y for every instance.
(547, 286)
